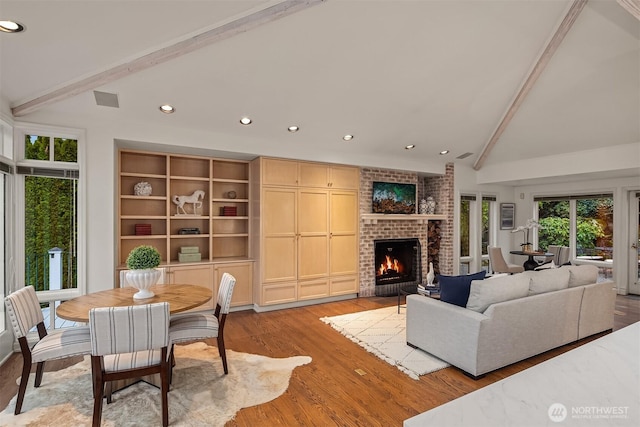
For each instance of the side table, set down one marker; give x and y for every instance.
(413, 289)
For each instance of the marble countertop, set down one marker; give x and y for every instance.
(596, 384)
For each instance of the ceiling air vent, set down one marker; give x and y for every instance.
(464, 156)
(106, 99)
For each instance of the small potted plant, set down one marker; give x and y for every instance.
(142, 262)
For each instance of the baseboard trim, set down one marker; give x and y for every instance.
(265, 308)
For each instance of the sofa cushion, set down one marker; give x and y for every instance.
(547, 280)
(483, 293)
(580, 275)
(455, 289)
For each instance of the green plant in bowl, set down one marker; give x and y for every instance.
(143, 257)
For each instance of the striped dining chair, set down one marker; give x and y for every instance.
(25, 313)
(198, 326)
(129, 342)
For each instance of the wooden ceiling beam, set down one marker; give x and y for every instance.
(631, 6)
(562, 30)
(168, 53)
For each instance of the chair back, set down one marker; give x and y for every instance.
(24, 310)
(560, 254)
(497, 261)
(225, 292)
(563, 255)
(117, 330)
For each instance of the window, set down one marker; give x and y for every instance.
(50, 199)
(582, 222)
(488, 213)
(477, 231)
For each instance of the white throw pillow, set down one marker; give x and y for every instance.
(580, 275)
(548, 280)
(483, 293)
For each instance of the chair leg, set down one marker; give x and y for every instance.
(223, 353)
(172, 363)
(109, 387)
(39, 372)
(26, 370)
(164, 378)
(98, 390)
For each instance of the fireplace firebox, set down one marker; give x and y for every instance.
(397, 263)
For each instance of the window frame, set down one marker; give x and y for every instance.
(21, 130)
(573, 198)
(476, 257)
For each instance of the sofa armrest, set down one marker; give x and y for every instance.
(444, 330)
(597, 309)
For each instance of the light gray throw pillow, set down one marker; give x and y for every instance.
(580, 275)
(547, 280)
(483, 293)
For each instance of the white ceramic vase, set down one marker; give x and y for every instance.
(422, 207)
(142, 280)
(431, 206)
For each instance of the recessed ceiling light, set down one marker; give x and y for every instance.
(443, 152)
(409, 147)
(167, 109)
(245, 121)
(293, 128)
(11, 27)
(347, 137)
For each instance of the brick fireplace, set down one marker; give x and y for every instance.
(441, 188)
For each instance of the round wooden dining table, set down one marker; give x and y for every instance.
(180, 298)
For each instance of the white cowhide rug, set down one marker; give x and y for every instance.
(201, 395)
(383, 332)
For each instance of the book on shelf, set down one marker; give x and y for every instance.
(229, 211)
(143, 229)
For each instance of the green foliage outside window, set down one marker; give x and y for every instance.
(594, 225)
(465, 207)
(50, 215)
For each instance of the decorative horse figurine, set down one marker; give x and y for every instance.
(195, 199)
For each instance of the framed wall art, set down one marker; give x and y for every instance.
(507, 216)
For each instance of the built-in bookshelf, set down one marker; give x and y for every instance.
(215, 219)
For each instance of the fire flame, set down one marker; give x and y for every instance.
(389, 265)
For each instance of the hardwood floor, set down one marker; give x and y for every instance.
(330, 391)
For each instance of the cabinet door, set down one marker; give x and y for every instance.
(343, 222)
(344, 177)
(313, 175)
(313, 234)
(279, 234)
(343, 285)
(195, 275)
(279, 172)
(243, 289)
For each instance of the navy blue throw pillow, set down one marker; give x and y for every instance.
(455, 289)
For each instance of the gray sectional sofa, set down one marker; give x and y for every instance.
(511, 318)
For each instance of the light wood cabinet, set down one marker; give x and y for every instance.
(243, 289)
(279, 235)
(221, 216)
(199, 274)
(307, 232)
(280, 172)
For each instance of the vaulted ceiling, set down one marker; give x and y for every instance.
(504, 80)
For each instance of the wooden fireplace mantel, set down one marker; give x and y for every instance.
(420, 219)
